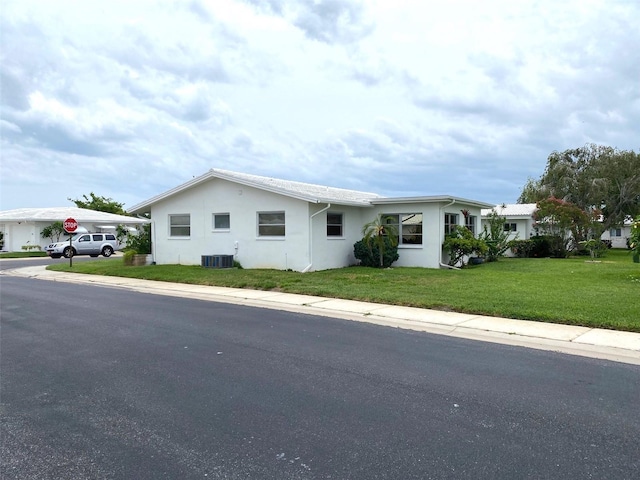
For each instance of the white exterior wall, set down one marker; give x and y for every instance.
(337, 252)
(524, 229)
(618, 242)
(430, 253)
(242, 203)
(19, 234)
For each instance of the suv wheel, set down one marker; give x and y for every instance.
(68, 252)
(107, 251)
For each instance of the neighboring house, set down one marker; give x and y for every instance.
(519, 222)
(271, 223)
(618, 236)
(23, 226)
(518, 219)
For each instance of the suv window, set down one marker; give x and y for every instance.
(110, 237)
(97, 238)
(85, 238)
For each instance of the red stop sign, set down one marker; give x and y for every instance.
(70, 225)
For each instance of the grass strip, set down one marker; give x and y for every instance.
(575, 291)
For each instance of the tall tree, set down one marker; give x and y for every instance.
(100, 204)
(593, 177)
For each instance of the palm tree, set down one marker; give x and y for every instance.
(376, 230)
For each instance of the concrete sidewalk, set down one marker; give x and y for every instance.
(589, 342)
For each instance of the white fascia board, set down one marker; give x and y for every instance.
(431, 199)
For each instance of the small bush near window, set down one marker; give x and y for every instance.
(28, 248)
(369, 255)
(461, 243)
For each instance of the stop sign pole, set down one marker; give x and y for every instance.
(70, 225)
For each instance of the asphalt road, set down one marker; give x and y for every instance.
(105, 383)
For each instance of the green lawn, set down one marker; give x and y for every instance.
(575, 291)
(31, 254)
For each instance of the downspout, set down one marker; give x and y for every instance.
(308, 267)
(439, 230)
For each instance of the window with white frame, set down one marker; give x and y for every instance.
(221, 221)
(334, 224)
(408, 226)
(470, 221)
(271, 224)
(615, 232)
(450, 222)
(180, 225)
(510, 227)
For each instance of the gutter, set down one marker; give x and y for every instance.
(439, 230)
(308, 267)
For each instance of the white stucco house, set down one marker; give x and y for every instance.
(518, 219)
(271, 223)
(519, 223)
(23, 226)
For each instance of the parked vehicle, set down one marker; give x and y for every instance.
(92, 244)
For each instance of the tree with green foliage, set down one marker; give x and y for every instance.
(100, 204)
(594, 178)
(380, 232)
(495, 237)
(461, 243)
(565, 223)
(53, 232)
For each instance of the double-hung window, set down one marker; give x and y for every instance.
(510, 227)
(180, 225)
(271, 224)
(221, 221)
(334, 224)
(408, 226)
(470, 222)
(615, 232)
(450, 222)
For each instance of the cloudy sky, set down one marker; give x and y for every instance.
(128, 99)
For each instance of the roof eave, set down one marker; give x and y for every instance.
(430, 199)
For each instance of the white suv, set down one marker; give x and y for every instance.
(93, 244)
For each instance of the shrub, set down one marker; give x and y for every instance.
(461, 243)
(521, 248)
(369, 254)
(141, 242)
(28, 248)
(495, 237)
(127, 257)
(595, 248)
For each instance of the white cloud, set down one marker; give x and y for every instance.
(128, 99)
